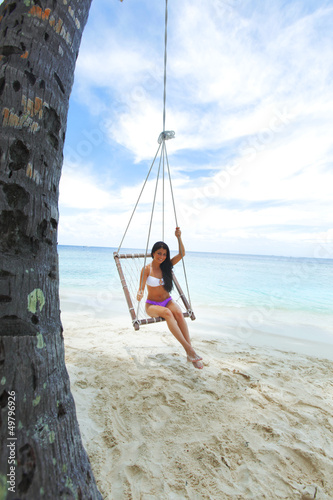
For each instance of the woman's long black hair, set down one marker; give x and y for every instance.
(166, 266)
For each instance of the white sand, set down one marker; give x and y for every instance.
(255, 423)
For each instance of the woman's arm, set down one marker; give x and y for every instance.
(143, 278)
(181, 248)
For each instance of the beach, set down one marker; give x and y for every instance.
(255, 423)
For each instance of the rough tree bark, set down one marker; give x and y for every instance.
(41, 450)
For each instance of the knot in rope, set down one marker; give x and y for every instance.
(165, 136)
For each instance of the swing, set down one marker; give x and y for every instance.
(129, 265)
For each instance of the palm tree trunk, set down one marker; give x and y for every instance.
(41, 455)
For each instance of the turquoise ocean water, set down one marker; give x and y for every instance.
(230, 294)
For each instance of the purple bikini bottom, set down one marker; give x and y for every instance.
(162, 304)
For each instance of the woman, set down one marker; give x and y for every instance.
(158, 277)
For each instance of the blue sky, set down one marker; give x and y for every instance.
(249, 96)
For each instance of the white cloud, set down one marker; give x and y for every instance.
(249, 90)
(81, 192)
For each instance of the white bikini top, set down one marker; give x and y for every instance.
(152, 281)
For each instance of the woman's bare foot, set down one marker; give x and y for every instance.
(193, 356)
(197, 363)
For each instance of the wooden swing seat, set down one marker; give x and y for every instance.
(136, 321)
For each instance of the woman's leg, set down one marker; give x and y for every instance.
(167, 314)
(178, 315)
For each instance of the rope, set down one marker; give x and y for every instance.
(164, 136)
(150, 226)
(165, 59)
(176, 220)
(163, 190)
(144, 184)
